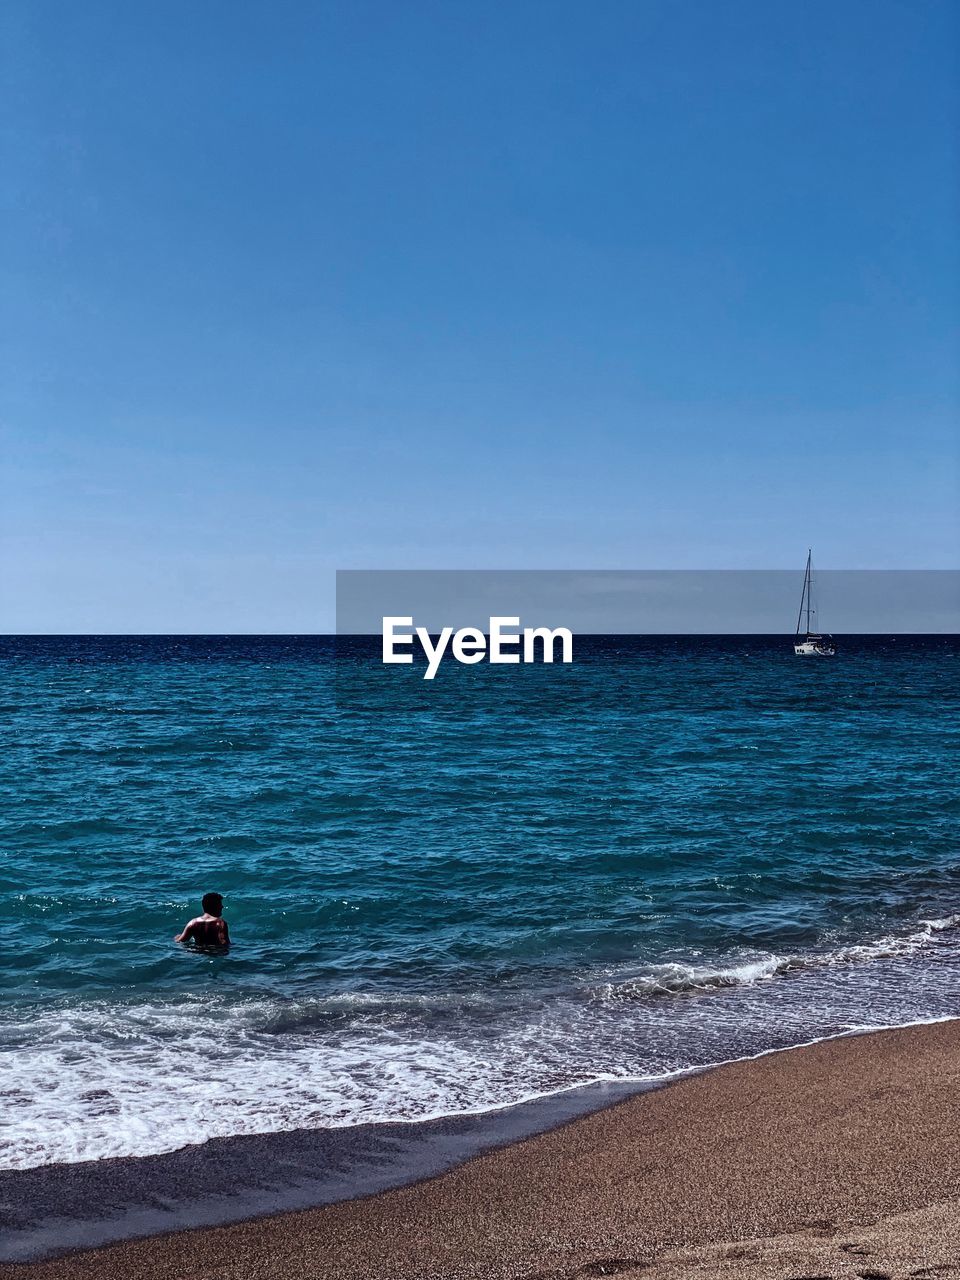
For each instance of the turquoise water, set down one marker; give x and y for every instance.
(451, 896)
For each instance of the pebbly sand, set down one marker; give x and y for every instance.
(838, 1159)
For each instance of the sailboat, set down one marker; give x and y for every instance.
(810, 644)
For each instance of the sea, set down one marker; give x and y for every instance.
(452, 896)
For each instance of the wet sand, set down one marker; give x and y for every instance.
(839, 1159)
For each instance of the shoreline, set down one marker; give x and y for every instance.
(53, 1210)
(792, 1147)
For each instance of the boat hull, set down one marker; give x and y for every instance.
(813, 649)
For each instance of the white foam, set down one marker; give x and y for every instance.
(677, 978)
(99, 1082)
(108, 1078)
(896, 944)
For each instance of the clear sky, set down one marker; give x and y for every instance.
(291, 287)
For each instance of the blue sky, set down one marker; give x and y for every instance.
(297, 287)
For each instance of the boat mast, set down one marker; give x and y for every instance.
(805, 596)
(809, 588)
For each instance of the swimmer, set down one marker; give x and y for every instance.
(210, 929)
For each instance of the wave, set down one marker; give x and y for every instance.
(674, 978)
(124, 1076)
(352, 1008)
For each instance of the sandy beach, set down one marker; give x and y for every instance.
(837, 1159)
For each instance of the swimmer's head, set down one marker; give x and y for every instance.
(212, 903)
